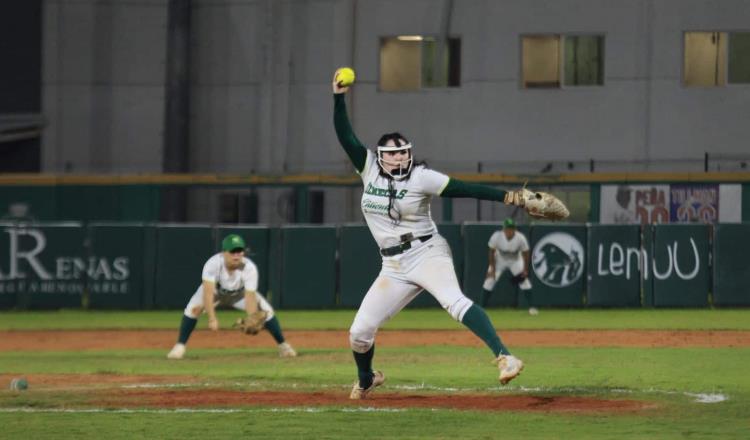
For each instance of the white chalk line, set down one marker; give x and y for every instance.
(204, 411)
(697, 397)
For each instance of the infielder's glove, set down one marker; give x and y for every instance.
(253, 323)
(538, 204)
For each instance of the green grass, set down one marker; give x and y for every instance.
(667, 377)
(410, 319)
(662, 375)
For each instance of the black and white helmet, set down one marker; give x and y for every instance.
(399, 144)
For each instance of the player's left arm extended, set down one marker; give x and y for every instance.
(251, 302)
(536, 204)
(460, 189)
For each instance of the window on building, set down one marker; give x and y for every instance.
(715, 59)
(739, 58)
(704, 59)
(550, 61)
(584, 60)
(413, 62)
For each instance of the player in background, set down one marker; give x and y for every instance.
(229, 279)
(508, 249)
(396, 207)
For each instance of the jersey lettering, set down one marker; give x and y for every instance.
(383, 192)
(374, 207)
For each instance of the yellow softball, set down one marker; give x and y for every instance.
(345, 77)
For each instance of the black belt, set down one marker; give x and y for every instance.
(404, 246)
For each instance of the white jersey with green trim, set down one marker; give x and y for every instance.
(240, 279)
(412, 200)
(507, 251)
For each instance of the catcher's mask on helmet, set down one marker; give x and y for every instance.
(399, 143)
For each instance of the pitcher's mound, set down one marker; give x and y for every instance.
(485, 402)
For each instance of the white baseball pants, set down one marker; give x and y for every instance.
(426, 266)
(195, 306)
(515, 267)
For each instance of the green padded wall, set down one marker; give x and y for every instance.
(613, 273)
(7, 285)
(138, 203)
(731, 265)
(81, 202)
(118, 280)
(149, 262)
(87, 203)
(679, 269)
(36, 203)
(647, 283)
(274, 267)
(359, 264)
(45, 266)
(308, 259)
(181, 252)
(558, 265)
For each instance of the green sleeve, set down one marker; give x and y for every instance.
(459, 189)
(356, 151)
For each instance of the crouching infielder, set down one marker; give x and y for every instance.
(230, 279)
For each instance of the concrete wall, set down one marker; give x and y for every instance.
(261, 99)
(261, 71)
(103, 85)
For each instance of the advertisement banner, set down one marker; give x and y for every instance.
(690, 203)
(634, 204)
(117, 282)
(678, 267)
(44, 266)
(558, 265)
(614, 275)
(677, 203)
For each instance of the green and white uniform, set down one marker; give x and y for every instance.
(422, 260)
(230, 286)
(508, 255)
(425, 265)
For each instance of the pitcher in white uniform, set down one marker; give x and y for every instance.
(508, 249)
(229, 279)
(396, 207)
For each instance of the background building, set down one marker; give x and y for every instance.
(243, 87)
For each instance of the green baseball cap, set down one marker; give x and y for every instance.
(509, 223)
(231, 242)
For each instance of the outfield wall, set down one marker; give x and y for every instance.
(143, 266)
(709, 197)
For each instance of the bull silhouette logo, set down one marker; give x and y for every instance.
(557, 259)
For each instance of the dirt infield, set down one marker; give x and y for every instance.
(135, 339)
(153, 391)
(234, 399)
(128, 391)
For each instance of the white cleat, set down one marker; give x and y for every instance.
(533, 311)
(177, 352)
(286, 350)
(510, 367)
(378, 378)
